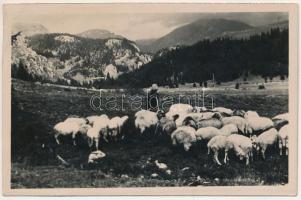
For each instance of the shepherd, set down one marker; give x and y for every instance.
(153, 98)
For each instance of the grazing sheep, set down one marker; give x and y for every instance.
(242, 146)
(102, 125)
(240, 122)
(264, 140)
(80, 121)
(206, 133)
(166, 125)
(284, 116)
(280, 120)
(115, 126)
(181, 110)
(215, 145)
(95, 156)
(223, 111)
(93, 136)
(283, 139)
(92, 119)
(67, 128)
(145, 119)
(209, 122)
(184, 135)
(229, 129)
(259, 124)
(251, 113)
(279, 123)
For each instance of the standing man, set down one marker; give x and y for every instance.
(153, 98)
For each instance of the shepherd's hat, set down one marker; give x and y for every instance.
(154, 87)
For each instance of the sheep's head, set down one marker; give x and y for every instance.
(217, 115)
(189, 121)
(240, 113)
(160, 114)
(255, 142)
(84, 129)
(187, 146)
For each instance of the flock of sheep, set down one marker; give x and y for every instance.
(221, 128)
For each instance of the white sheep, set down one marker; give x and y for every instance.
(229, 129)
(80, 121)
(166, 125)
(224, 111)
(184, 135)
(284, 116)
(95, 156)
(145, 119)
(283, 139)
(259, 124)
(251, 113)
(181, 110)
(115, 125)
(216, 144)
(68, 128)
(206, 133)
(264, 140)
(240, 122)
(93, 118)
(102, 125)
(241, 145)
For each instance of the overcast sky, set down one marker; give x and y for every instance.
(137, 26)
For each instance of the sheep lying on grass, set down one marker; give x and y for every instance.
(145, 119)
(185, 135)
(283, 139)
(95, 156)
(264, 140)
(242, 146)
(216, 144)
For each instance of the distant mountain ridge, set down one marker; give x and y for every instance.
(99, 34)
(191, 33)
(207, 29)
(29, 29)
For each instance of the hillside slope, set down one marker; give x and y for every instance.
(77, 58)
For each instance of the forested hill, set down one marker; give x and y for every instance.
(265, 54)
